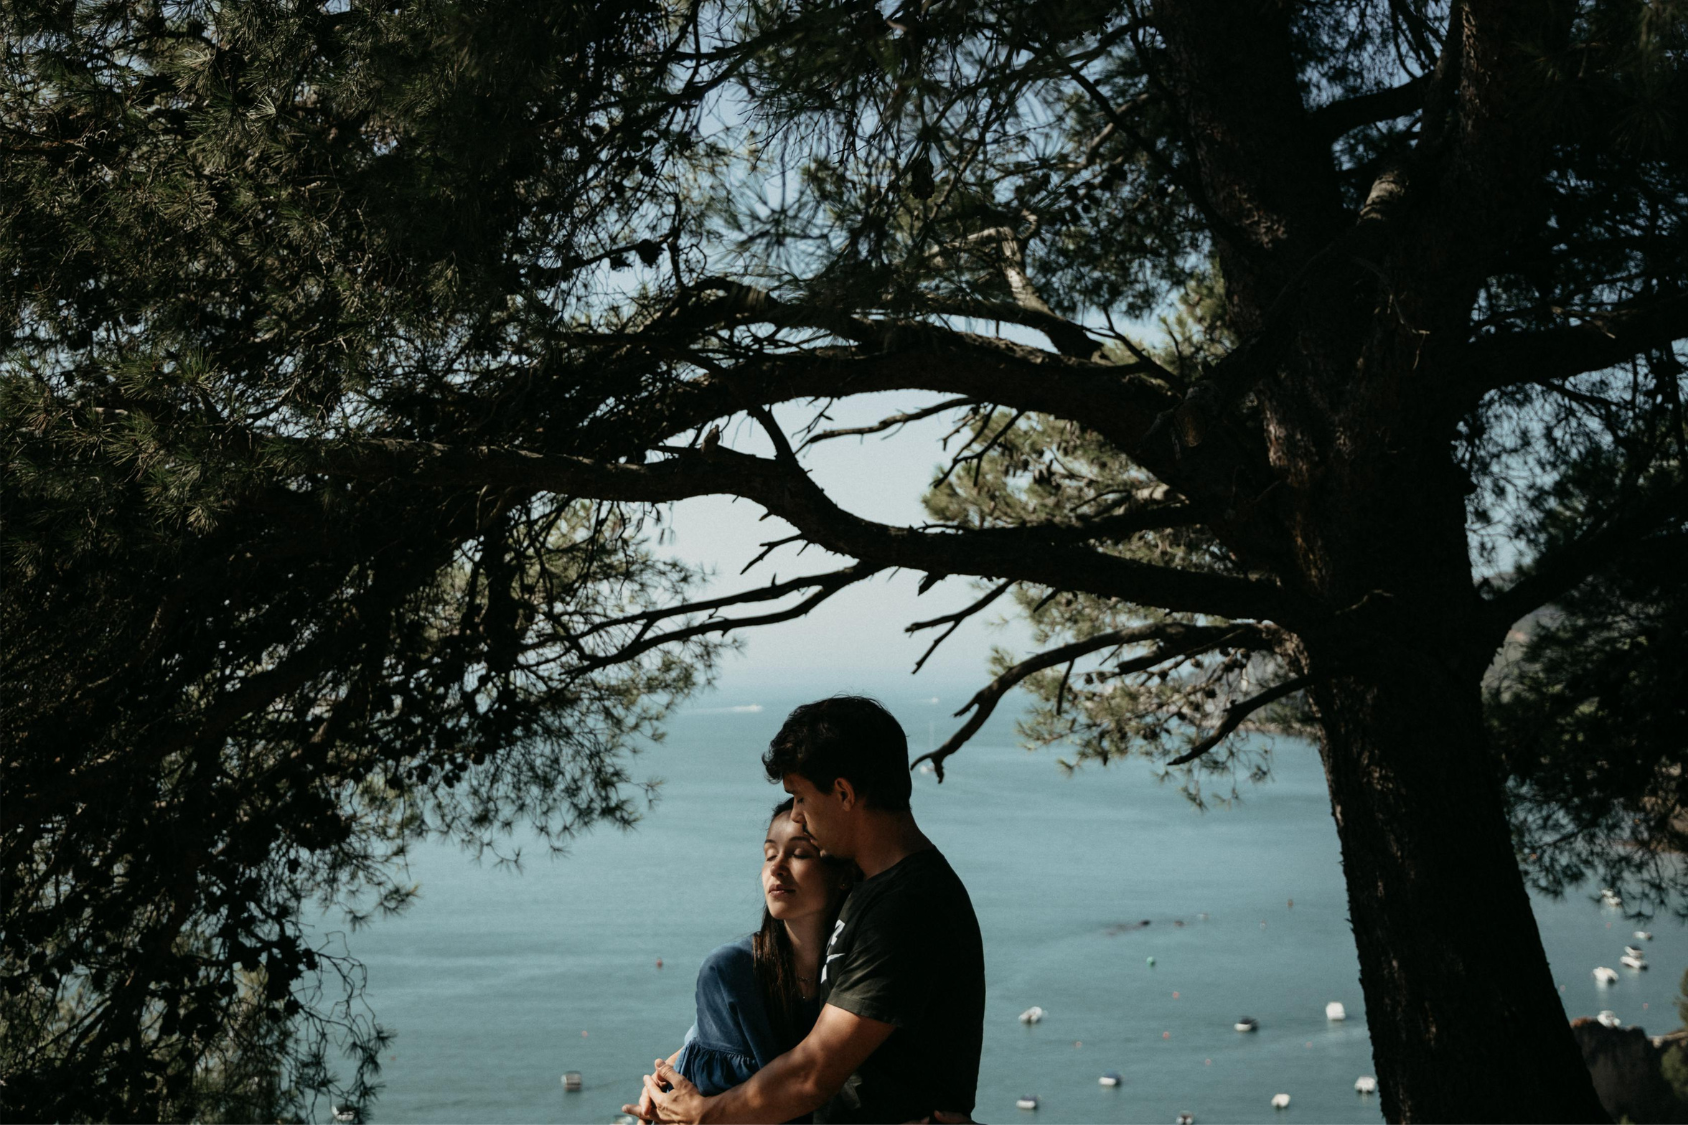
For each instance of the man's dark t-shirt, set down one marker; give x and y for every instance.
(906, 951)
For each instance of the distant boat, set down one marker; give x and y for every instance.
(1365, 1084)
(1635, 951)
(1027, 1102)
(1247, 1023)
(571, 1082)
(1109, 1079)
(1629, 962)
(1610, 897)
(348, 1114)
(1033, 1014)
(1643, 935)
(1609, 1018)
(1335, 1012)
(927, 767)
(1185, 1119)
(1603, 975)
(1280, 1101)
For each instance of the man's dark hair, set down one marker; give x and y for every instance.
(848, 736)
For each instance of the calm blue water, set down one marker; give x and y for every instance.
(497, 982)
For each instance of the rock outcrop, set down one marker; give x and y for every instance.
(1632, 1071)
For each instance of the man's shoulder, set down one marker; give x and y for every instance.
(926, 871)
(921, 881)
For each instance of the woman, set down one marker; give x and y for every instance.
(757, 997)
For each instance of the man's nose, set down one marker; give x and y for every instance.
(797, 817)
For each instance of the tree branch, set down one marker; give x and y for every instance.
(1602, 340)
(1334, 120)
(890, 422)
(825, 585)
(1564, 568)
(1068, 338)
(771, 592)
(1177, 640)
(1236, 713)
(954, 620)
(1028, 554)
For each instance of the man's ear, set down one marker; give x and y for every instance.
(845, 793)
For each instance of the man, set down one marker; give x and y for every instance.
(902, 984)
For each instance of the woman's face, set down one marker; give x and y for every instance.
(795, 881)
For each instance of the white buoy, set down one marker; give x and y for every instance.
(1643, 935)
(1027, 1102)
(1335, 1012)
(1033, 1014)
(1185, 1118)
(1109, 1079)
(1609, 1018)
(571, 1081)
(1605, 976)
(1365, 1084)
(1280, 1101)
(1247, 1023)
(1629, 962)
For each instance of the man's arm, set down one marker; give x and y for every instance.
(794, 1084)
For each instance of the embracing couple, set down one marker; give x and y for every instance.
(862, 996)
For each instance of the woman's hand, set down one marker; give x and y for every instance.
(671, 1094)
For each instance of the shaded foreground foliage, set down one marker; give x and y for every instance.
(351, 352)
(235, 691)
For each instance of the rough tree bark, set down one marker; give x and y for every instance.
(1359, 416)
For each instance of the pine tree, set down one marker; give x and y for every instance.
(411, 321)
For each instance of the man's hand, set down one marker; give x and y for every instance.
(671, 1095)
(644, 1109)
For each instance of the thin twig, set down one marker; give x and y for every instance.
(890, 422)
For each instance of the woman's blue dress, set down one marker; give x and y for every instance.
(733, 1037)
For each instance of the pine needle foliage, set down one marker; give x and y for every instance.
(237, 691)
(1295, 354)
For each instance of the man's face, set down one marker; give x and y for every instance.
(821, 814)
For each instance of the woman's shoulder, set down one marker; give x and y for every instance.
(732, 962)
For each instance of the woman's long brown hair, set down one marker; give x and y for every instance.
(776, 961)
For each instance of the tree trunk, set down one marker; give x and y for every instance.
(1465, 1020)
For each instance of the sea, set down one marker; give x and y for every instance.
(1142, 927)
